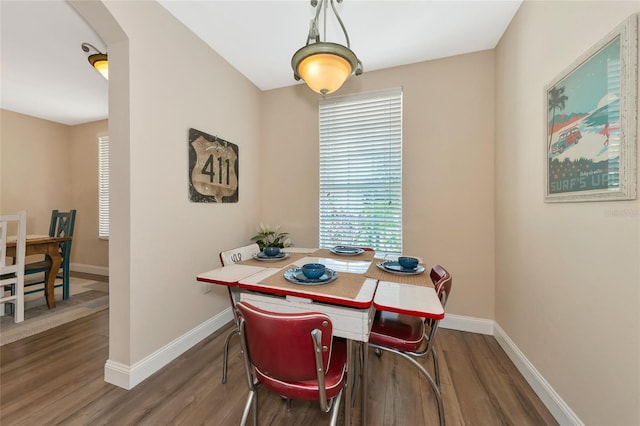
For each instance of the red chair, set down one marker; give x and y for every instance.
(294, 355)
(413, 337)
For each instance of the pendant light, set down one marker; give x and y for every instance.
(323, 65)
(98, 60)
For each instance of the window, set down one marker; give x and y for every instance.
(361, 171)
(103, 187)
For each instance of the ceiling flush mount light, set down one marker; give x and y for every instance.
(98, 60)
(325, 66)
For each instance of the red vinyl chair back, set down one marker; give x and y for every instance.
(294, 355)
(441, 282)
(443, 288)
(437, 274)
(280, 345)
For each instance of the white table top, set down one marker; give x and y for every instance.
(389, 296)
(229, 275)
(408, 299)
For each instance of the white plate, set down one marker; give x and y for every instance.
(346, 251)
(296, 276)
(280, 256)
(396, 268)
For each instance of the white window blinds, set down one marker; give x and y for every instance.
(361, 171)
(103, 187)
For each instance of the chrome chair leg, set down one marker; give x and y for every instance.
(225, 358)
(356, 371)
(365, 375)
(251, 403)
(425, 373)
(436, 367)
(255, 409)
(336, 410)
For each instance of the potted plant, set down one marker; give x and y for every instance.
(267, 237)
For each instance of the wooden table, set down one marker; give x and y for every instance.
(50, 247)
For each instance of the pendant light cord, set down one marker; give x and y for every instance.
(314, 31)
(344, 30)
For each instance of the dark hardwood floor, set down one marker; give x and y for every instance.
(57, 378)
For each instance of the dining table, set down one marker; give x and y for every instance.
(50, 248)
(361, 285)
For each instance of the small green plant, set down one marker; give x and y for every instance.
(267, 237)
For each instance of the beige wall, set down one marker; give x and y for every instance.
(568, 278)
(47, 166)
(34, 151)
(159, 239)
(448, 116)
(89, 251)
(551, 261)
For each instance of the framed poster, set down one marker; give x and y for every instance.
(213, 169)
(590, 138)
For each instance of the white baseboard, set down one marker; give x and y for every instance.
(89, 269)
(549, 397)
(128, 377)
(558, 408)
(470, 324)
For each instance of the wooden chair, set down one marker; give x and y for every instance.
(229, 257)
(412, 337)
(62, 225)
(12, 276)
(294, 355)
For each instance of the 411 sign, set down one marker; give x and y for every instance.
(213, 169)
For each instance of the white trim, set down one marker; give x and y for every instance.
(128, 377)
(89, 269)
(554, 403)
(117, 374)
(549, 397)
(470, 324)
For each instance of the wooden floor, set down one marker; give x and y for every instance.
(56, 378)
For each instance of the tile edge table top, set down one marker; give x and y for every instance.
(229, 275)
(419, 301)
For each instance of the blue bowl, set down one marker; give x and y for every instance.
(271, 251)
(313, 271)
(408, 262)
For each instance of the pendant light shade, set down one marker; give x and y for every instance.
(99, 60)
(324, 66)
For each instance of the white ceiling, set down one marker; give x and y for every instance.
(257, 37)
(44, 72)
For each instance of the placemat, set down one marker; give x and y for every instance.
(347, 285)
(365, 256)
(274, 264)
(418, 279)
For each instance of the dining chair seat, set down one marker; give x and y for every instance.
(308, 389)
(397, 331)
